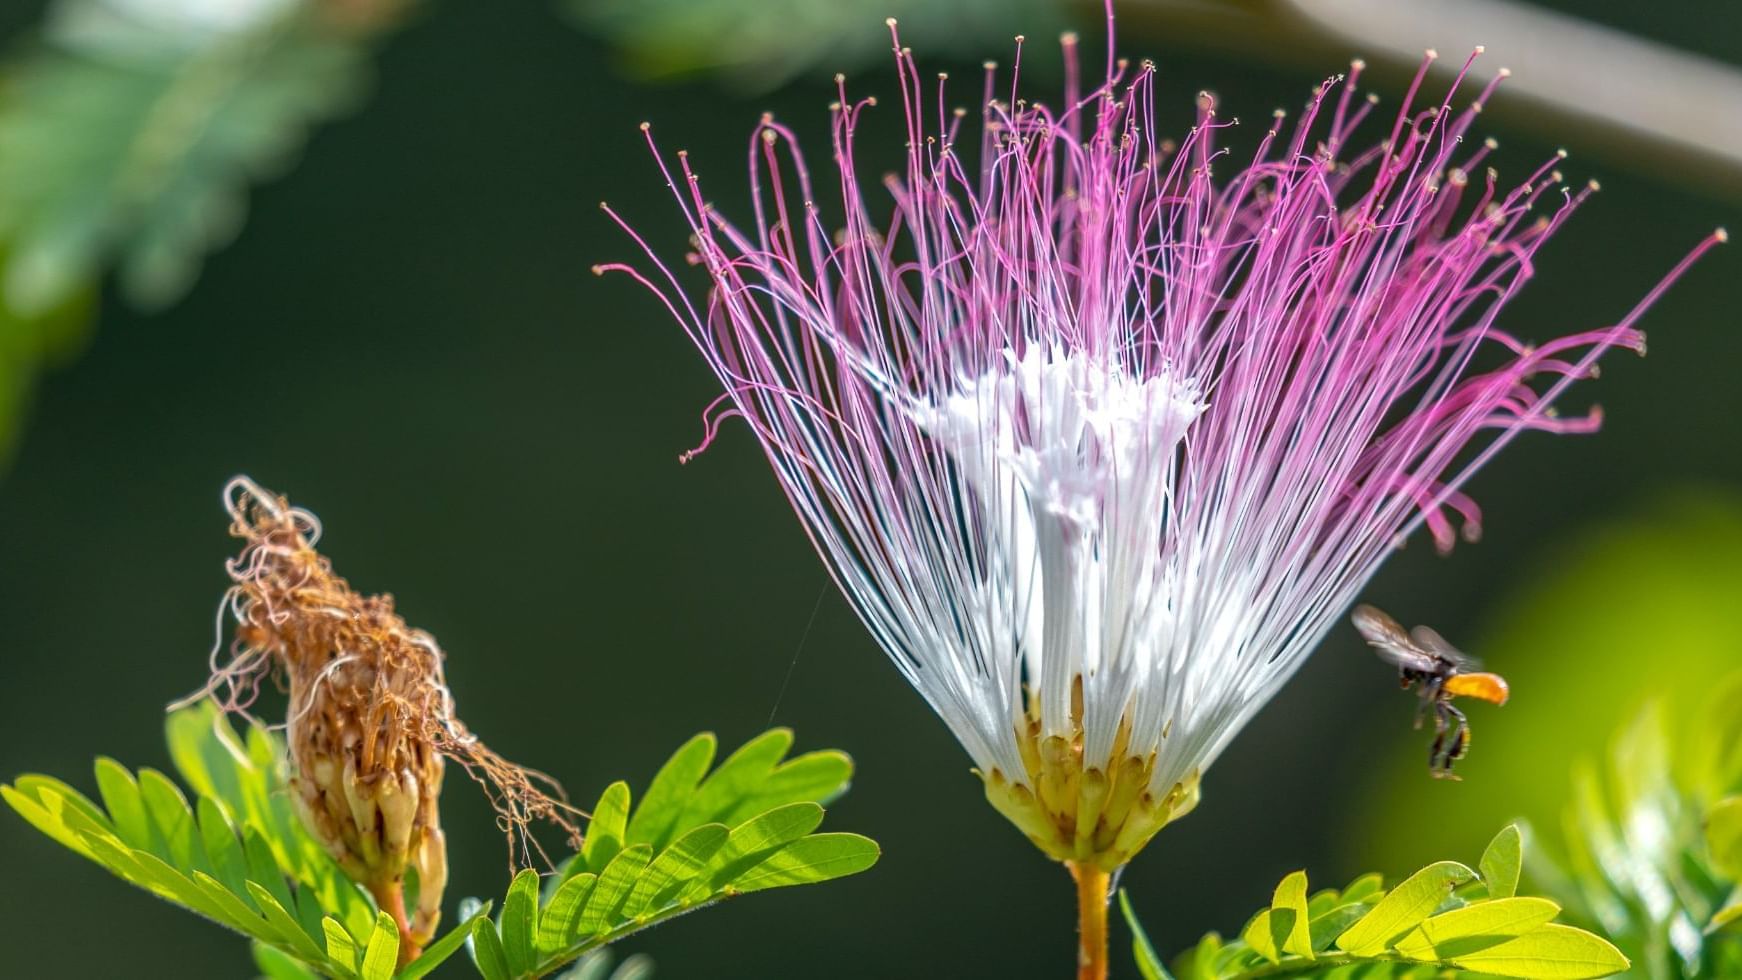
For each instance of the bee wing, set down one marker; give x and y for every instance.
(1389, 639)
(1428, 639)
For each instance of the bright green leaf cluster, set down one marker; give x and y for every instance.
(237, 856)
(697, 837)
(240, 857)
(1445, 919)
(1653, 842)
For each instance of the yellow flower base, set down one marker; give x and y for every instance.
(1098, 815)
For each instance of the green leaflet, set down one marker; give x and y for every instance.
(695, 838)
(1502, 862)
(670, 791)
(1724, 837)
(1405, 906)
(382, 953)
(1289, 924)
(235, 855)
(1419, 928)
(606, 830)
(1148, 963)
(808, 860)
(520, 922)
(487, 953)
(1550, 951)
(1475, 927)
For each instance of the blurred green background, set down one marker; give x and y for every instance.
(406, 339)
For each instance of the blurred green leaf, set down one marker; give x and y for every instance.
(598, 964)
(1724, 837)
(130, 136)
(1647, 854)
(1578, 660)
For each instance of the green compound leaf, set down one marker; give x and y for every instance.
(696, 838)
(1418, 929)
(236, 855)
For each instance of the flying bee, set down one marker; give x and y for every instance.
(1444, 672)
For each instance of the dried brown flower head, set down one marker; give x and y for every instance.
(370, 718)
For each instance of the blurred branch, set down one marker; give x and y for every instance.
(1637, 103)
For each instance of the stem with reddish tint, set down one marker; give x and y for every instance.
(1092, 888)
(390, 898)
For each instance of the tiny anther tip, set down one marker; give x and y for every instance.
(1020, 38)
(989, 65)
(1594, 184)
(1481, 49)
(1359, 64)
(646, 126)
(1068, 37)
(1722, 235)
(889, 21)
(1431, 54)
(598, 270)
(1504, 72)
(1562, 153)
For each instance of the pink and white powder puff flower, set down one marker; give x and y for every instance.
(1100, 433)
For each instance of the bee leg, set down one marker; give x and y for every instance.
(1430, 695)
(1459, 742)
(1434, 763)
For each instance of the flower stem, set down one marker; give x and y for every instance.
(390, 898)
(1092, 887)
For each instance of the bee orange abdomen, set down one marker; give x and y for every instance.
(1483, 687)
